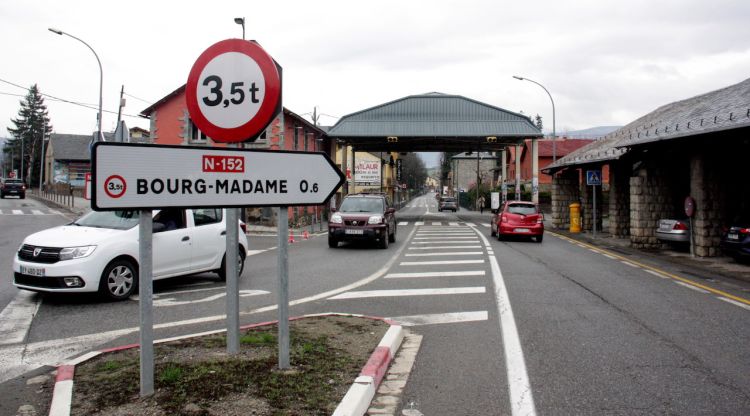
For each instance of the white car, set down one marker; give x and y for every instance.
(99, 251)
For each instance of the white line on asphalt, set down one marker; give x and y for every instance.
(434, 233)
(16, 318)
(403, 223)
(441, 318)
(437, 223)
(521, 397)
(433, 263)
(17, 212)
(453, 224)
(734, 302)
(470, 224)
(656, 274)
(448, 253)
(609, 257)
(697, 289)
(441, 247)
(627, 263)
(443, 238)
(474, 241)
(419, 223)
(434, 274)
(37, 212)
(162, 302)
(409, 292)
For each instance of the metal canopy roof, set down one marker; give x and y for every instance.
(433, 122)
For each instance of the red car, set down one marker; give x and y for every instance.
(518, 218)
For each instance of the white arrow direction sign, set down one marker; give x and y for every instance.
(137, 176)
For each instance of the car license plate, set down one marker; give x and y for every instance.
(354, 232)
(733, 236)
(32, 271)
(521, 230)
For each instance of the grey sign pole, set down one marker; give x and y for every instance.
(593, 188)
(233, 294)
(145, 299)
(283, 227)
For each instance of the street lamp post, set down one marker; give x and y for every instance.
(241, 21)
(554, 147)
(41, 167)
(101, 77)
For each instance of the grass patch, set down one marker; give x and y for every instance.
(263, 338)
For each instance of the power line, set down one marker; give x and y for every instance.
(139, 99)
(53, 98)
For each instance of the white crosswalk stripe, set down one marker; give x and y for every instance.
(29, 212)
(409, 292)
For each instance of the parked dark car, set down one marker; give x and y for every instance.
(518, 218)
(12, 187)
(735, 241)
(673, 231)
(363, 217)
(447, 203)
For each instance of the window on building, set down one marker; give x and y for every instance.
(195, 135)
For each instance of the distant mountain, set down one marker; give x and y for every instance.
(590, 133)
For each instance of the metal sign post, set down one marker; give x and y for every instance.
(145, 300)
(594, 178)
(283, 329)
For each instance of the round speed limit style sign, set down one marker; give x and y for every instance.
(233, 91)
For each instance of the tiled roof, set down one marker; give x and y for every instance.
(723, 109)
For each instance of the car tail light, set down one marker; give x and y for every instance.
(540, 218)
(680, 226)
(745, 230)
(243, 226)
(23, 187)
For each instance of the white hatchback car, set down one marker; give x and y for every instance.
(99, 251)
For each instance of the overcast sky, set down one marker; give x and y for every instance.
(604, 62)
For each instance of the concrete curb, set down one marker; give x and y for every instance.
(355, 402)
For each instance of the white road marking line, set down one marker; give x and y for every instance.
(441, 247)
(53, 212)
(446, 242)
(437, 223)
(697, 289)
(450, 253)
(37, 212)
(403, 223)
(410, 292)
(435, 274)
(441, 318)
(453, 224)
(608, 256)
(521, 397)
(486, 225)
(17, 212)
(470, 224)
(16, 318)
(419, 223)
(734, 302)
(443, 238)
(627, 263)
(162, 302)
(433, 263)
(656, 274)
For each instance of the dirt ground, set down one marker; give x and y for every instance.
(197, 377)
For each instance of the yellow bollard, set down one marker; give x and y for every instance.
(575, 217)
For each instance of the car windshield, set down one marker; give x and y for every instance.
(118, 220)
(522, 209)
(362, 205)
(451, 200)
(13, 182)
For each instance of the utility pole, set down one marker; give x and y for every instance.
(122, 104)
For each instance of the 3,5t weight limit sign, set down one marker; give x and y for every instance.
(233, 90)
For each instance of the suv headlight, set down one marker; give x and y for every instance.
(70, 253)
(375, 219)
(336, 219)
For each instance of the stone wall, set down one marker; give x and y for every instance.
(709, 204)
(564, 192)
(619, 199)
(650, 200)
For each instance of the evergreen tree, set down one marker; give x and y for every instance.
(31, 127)
(538, 121)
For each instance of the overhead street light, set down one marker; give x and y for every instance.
(241, 21)
(554, 137)
(101, 77)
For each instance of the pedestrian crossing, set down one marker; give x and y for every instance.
(29, 211)
(438, 255)
(442, 224)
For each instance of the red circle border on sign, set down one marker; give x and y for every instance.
(124, 186)
(267, 109)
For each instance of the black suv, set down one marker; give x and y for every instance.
(365, 216)
(12, 187)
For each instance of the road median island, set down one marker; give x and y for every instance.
(194, 375)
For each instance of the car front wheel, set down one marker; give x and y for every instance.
(384, 241)
(119, 280)
(222, 272)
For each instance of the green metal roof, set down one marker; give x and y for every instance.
(435, 122)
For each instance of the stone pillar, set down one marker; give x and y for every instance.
(564, 193)
(708, 206)
(619, 199)
(648, 203)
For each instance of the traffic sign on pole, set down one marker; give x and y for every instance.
(138, 176)
(233, 91)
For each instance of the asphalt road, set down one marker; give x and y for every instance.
(509, 327)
